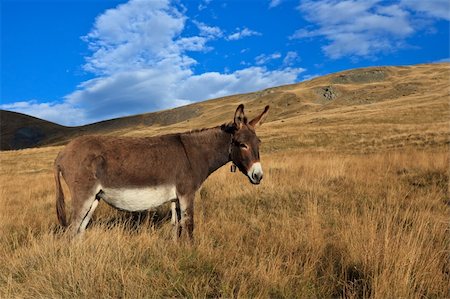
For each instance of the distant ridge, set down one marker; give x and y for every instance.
(23, 131)
(19, 131)
(348, 88)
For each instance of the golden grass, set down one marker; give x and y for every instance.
(355, 203)
(321, 225)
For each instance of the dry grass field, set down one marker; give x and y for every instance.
(355, 203)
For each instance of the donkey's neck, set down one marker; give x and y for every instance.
(210, 147)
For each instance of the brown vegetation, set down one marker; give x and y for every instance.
(321, 225)
(355, 203)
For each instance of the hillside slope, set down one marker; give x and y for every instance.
(22, 131)
(354, 202)
(368, 98)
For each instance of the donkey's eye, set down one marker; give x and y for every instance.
(242, 145)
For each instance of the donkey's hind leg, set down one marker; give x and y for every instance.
(84, 207)
(176, 217)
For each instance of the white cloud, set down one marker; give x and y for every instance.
(132, 92)
(193, 43)
(142, 63)
(208, 31)
(240, 34)
(434, 8)
(443, 60)
(203, 5)
(134, 35)
(354, 27)
(212, 85)
(310, 77)
(61, 113)
(263, 58)
(274, 3)
(290, 58)
(366, 28)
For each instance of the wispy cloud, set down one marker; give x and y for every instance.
(443, 60)
(355, 28)
(290, 58)
(241, 33)
(62, 113)
(274, 3)
(208, 31)
(433, 8)
(310, 77)
(203, 5)
(359, 28)
(212, 84)
(263, 58)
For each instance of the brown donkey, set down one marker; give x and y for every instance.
(136, 174)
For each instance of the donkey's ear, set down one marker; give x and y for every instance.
(239, 117)
(260, 118)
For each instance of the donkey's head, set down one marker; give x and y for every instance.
(244, 151)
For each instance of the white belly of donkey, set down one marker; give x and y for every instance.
(138, 199)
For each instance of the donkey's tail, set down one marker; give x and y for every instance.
(60, 205)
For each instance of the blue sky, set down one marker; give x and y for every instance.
(76, 62)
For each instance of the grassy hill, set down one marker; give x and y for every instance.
(354, 203)
(19, 131)
(370, 98)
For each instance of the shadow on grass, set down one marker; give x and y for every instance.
(128, 221)
(135, 221)
(348, 278)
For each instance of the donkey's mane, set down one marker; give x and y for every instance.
(226, 127)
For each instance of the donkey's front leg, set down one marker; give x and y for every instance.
(187, 214)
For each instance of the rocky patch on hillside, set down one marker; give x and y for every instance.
(360, 76)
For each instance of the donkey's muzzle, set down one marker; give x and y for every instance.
(255, 174)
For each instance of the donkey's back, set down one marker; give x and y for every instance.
(122, 161)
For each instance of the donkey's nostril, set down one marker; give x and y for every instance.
(255, 173)
(257, 176)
